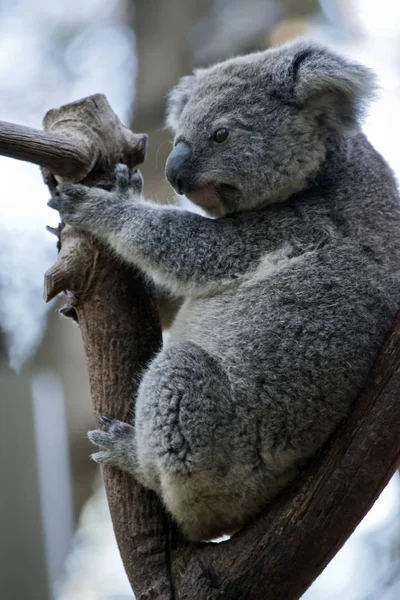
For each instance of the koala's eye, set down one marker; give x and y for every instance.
(220, 135)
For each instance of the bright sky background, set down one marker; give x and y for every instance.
(36, 74)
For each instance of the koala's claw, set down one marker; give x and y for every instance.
(122, 178)
(54, 202)
(125, 181)
(106, 421)
(103, 457)
(137, 182)
(100, 438)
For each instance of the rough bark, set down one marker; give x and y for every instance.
(283, 550)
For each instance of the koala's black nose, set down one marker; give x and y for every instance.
(177, 167)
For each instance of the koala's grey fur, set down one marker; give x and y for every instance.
(289, 294)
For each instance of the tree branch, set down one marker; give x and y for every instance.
(75, 143)
(57, 154)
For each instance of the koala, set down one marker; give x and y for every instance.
(291, 280)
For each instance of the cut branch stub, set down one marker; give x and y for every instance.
(92, 126)
(71, 272)
(82, 140)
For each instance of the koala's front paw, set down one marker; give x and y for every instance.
(96, 209)
(118, 440)
(78, 204)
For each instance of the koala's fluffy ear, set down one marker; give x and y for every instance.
(321, 79)
(178, 98)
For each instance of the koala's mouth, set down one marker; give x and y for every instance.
(205, 196)
(211, 195)
(228, 194)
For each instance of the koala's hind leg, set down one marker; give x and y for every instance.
(189, 428)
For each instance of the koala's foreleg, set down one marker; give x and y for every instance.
(182, 250)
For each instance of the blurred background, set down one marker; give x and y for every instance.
(56, 541)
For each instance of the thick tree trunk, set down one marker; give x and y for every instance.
(120, 329)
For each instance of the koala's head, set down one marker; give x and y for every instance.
(255, 129)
